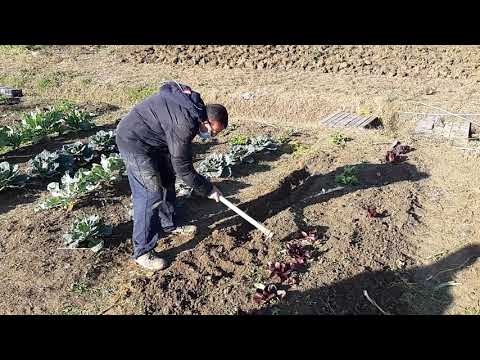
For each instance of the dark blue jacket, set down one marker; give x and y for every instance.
(167, 122)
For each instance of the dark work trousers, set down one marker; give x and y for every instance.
(152, 181)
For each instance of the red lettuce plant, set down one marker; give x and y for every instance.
(396, 153)
(310, 236)
(267, 293)
(299, 253)
(284, 271)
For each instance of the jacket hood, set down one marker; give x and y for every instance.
(185, 97)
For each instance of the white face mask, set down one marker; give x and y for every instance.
(205, 135)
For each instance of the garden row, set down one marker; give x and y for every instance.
(36, 126)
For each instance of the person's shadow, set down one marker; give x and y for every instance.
(422, 290)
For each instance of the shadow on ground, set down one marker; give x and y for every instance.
(11, 198)
(419, 290)
(297, 191)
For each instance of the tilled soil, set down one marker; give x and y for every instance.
(217, 276)
(394, 61)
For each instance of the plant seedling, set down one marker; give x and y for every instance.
(299, 253)
(70, 189)
(310, 236)
(11, 136)
(348, 176)
(103, 142)
(339, 139)
(81, 153)
(239, 140)
(298, 149)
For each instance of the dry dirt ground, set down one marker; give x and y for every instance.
(421, 258)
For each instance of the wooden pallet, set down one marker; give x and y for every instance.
(433, 125)
(343, 119)
(9, 92)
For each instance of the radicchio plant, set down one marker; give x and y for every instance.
(310, 236)
(299, 253)
(372, 212)
(396, 153)
(267, 293)
(283, 271)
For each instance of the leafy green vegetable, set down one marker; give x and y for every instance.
(82, 153)
(49, 164)
(71, 189)
(10, 176)
(87, 232)
(64, 106)
(238, 154)
(103, 141)
(286, 136)
(77, 120)
(38, 124)
(214, 165)
(11, 136)
(220, 165)
(264, 142)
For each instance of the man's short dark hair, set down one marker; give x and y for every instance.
(219, 113)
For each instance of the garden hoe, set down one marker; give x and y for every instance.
(263, 229)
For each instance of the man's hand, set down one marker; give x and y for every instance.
(215, 194)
